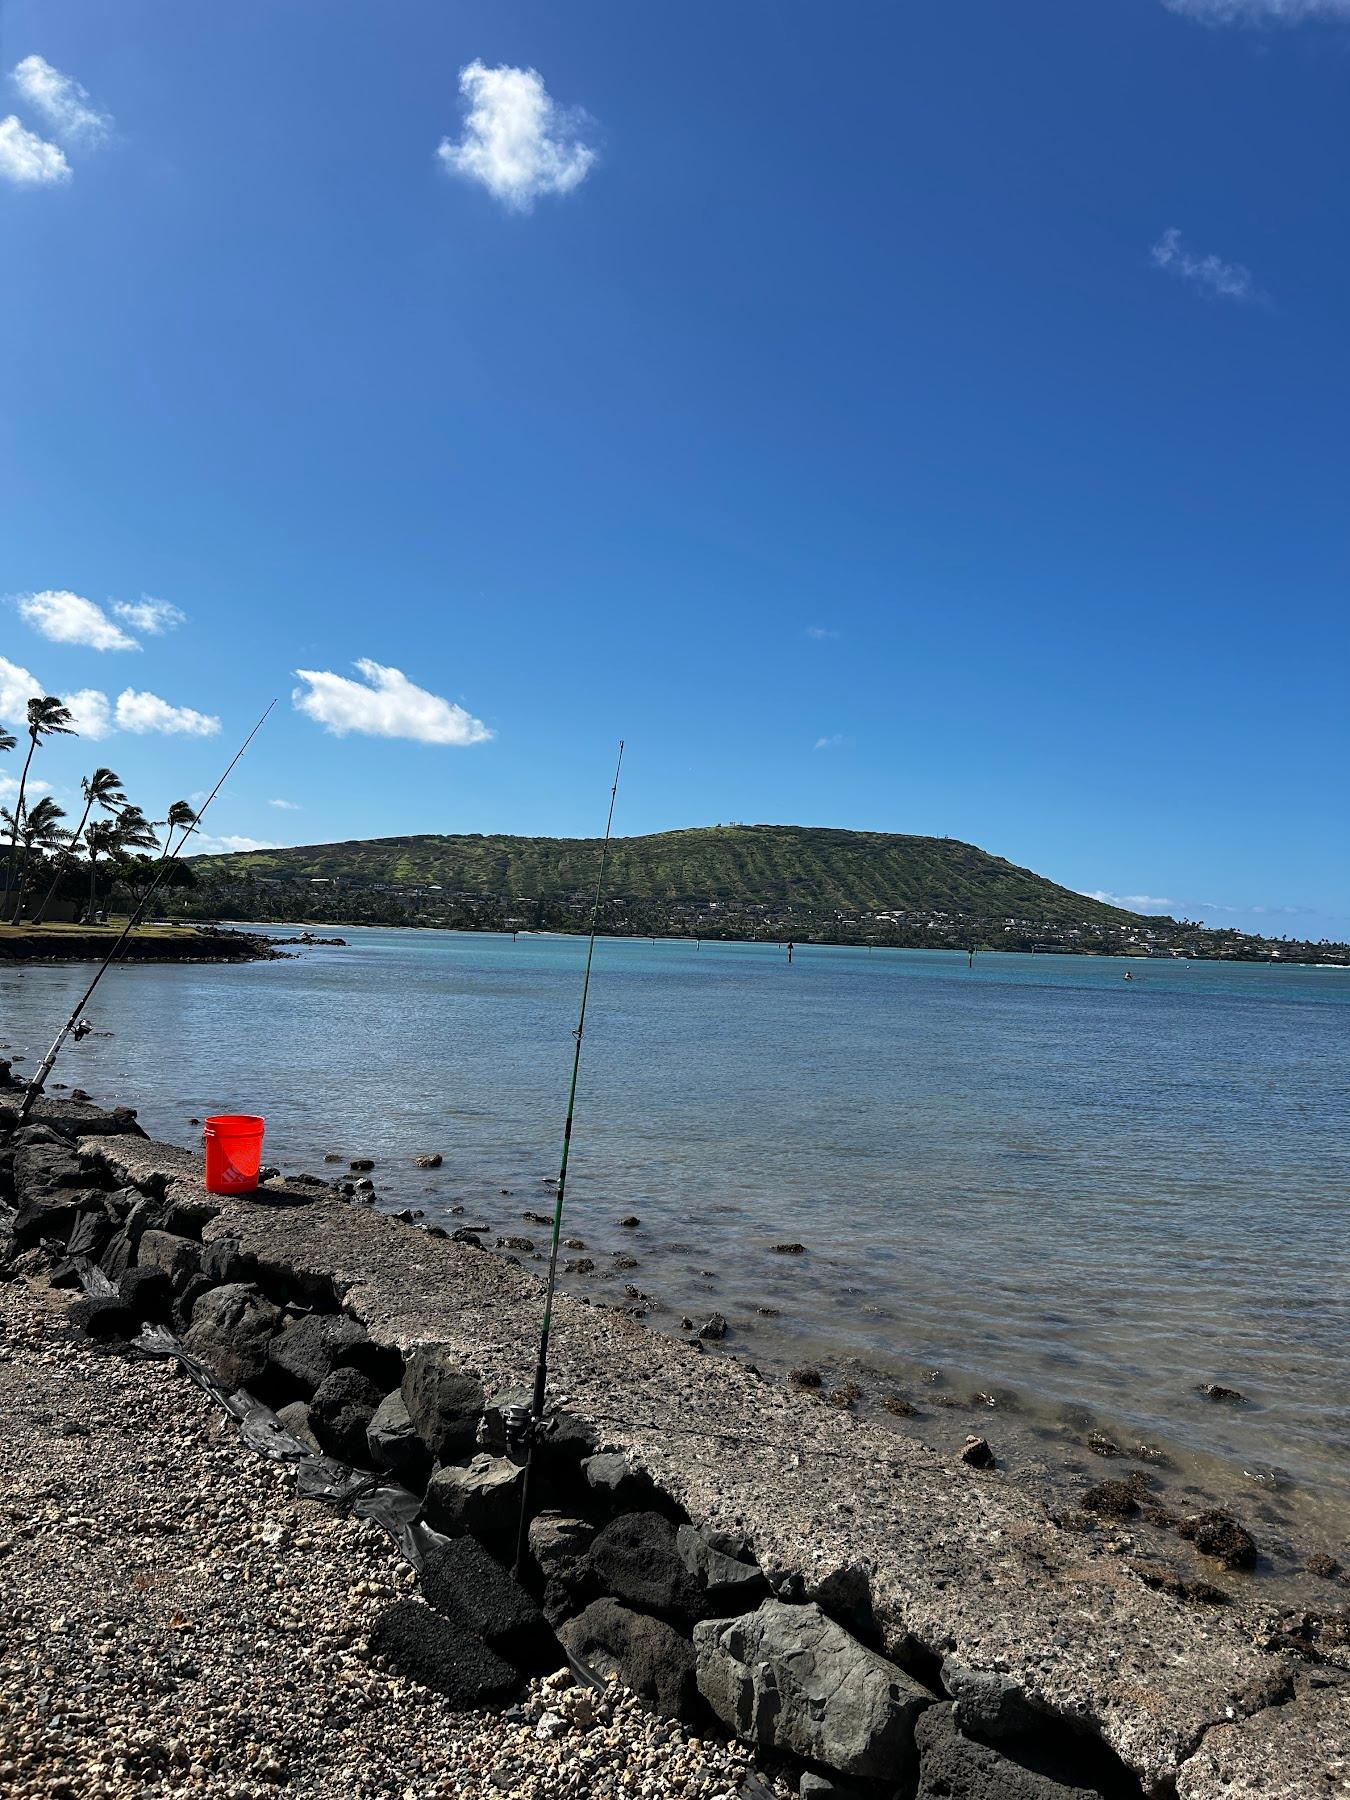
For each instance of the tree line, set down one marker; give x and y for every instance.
(112, 846)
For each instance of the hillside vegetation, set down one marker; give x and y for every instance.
(811, 869)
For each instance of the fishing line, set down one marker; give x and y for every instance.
(530, 1427)
(44, 1068)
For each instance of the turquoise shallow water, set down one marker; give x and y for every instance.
(1031, 1173)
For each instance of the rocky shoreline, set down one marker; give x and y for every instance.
(198, 945)
(872, 1619)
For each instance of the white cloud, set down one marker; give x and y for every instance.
(9, 789)
(28, 160)
(1135, 902)
(17, 688)
(820, 631)
(154, 617)
(68, 618)
(218, 846)
(285, 805)
(518, 142)
(1259, 12)
(1230, 281)
(832, 742)
(147, 712)
(93, 714)
(63, 103)
(390, 707)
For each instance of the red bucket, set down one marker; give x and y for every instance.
(233, 1153)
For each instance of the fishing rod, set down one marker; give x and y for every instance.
(72, 1024)
(531, 1426)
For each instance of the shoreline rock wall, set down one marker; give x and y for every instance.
(714, 1614)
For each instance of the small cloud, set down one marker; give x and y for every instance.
(17, 688)
(285, 805)
(28, 160)
(92, 712)
(1229, 281)
(1134, 902)
(147, 712)
(154, 617)
(1259, 12)
(832, 742)
(820, 631)
(390, 707)
(9, 788)
(63, 103)
(68, 618)
(218, 846)
(518, 142)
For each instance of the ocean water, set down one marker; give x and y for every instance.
(1031, 1178)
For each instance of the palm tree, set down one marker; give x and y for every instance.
(41, 835)
(47, 717)
(102, 788)
(100, 839)
(180, 814)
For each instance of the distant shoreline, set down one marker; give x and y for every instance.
(804, 942)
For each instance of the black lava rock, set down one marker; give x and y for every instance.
(467, 1585)
(148, 1293)
(98, 1317)
(442, 1655)
(341, 1412)
(646, 1654)
(636, 1559)
(443, 1402)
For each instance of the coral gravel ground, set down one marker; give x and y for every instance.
(175, 1622)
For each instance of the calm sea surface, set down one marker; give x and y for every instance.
(1032, 1175)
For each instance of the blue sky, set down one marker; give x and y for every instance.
(922, 418)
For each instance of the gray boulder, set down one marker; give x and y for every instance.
(481, 1496)
(443, 1402)
(645, 1654)
(230, 1331)
(731, 1584)
(179, 1257)
(614, 1481)
(951, 1765)
(295, 1419)
(394, 1444)
(790, 1678)
(989, 1706)
(559, 1544)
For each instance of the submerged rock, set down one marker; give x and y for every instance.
(1217, 1533)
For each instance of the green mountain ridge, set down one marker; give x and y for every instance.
(816, 870)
